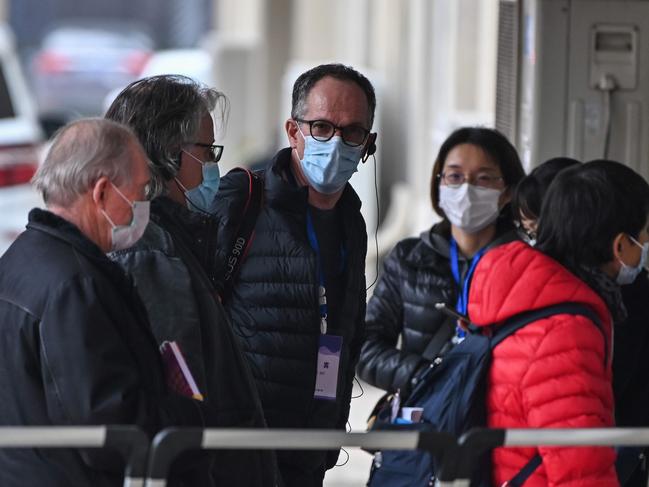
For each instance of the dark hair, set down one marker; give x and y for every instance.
(495, 144)
(586, 207)
(308, 79)
(165, 112)
(529, 192)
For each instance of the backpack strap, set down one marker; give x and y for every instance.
(524, 473)
(244, 235)
(441, 337)
(518, 321)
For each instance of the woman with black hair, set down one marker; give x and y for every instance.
(473, 176)
(530, 191)
(556, 372)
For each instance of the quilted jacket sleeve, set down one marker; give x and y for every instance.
(381, 363)
(568, 385)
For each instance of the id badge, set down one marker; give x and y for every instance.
(326, 381)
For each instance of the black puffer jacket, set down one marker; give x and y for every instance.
(274, 303)
(631, 347)
(630, 378)
(169, 266)
(76, 349)
(417, 274)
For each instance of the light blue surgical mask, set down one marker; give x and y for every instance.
(200, 198)
(627, 273)
(329, 165)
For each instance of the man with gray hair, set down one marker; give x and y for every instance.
(75, 343)
(172, 264)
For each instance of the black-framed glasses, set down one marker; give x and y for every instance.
(323, 130)
(215, 151)
(457, 178)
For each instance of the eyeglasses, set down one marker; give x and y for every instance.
(530, 234)
(215, 151)
(323, 130)
(457, 178)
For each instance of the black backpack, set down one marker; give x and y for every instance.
(453, 397)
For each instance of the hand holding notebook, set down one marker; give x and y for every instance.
(178, 376)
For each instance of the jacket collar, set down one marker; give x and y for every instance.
(439, 235)
(53, 225)
(166, 210)
(60, 228)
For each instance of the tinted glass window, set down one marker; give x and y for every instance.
(6, 106)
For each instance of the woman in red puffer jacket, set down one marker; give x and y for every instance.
(556, 372)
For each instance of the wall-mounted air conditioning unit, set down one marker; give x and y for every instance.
(573, 79)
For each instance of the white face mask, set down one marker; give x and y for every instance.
(627, 273)
(468, 207)
(125, 236)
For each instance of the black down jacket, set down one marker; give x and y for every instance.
(76, 349)
(169, 266)
(416, 275)
(274, 303)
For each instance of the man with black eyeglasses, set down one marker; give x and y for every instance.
(298, 298)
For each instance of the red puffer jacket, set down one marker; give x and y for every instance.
(552, 373)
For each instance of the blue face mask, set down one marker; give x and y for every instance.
(329, 165)
(200, 198)
(627, 273)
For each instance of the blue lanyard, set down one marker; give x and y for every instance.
(322, 290)
(463, 287)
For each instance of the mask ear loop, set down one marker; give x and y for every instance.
(130, 203)
(184, 190)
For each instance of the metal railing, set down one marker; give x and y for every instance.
(479, 441)
(130, 442)
(456, 457)
(170, 443)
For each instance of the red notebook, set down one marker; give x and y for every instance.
(179, 379)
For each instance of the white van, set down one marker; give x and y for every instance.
(21, 138)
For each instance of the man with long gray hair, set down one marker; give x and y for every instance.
(173, 263)
(75, 343)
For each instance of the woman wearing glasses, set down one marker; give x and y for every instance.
(473, 177)
(172, 264)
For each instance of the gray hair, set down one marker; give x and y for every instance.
(307, 80)
(81, 152)
(165, 113)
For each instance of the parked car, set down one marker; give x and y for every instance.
(79, 62)
(195, 63)
(20, 142)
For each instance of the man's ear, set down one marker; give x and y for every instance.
(291, 132)
(99, 192)
(370, 147)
